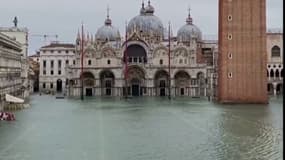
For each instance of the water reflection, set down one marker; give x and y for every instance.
(142, 128)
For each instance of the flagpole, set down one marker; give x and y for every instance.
(126, 64)
(81, 52)
(169, 77)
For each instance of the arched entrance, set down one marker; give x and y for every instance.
(136, 80)
(136, 54)
(182, 83)
(88, 83)
(161, 82)
(59, 85)
(107, 82)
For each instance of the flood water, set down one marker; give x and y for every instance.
(142, 129)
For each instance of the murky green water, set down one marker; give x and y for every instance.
(142, 129)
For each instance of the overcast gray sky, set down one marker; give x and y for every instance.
(64, 17)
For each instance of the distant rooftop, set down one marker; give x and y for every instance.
(59, 45)
(13, 29)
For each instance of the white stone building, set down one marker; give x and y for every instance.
(54, 59)
(10, 68)
(146, 49)
(20, 35)
(275, 55)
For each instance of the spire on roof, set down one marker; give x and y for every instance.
(108, 21)
(189, 19)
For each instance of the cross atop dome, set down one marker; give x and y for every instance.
(108, 21)
(142, 11)
(189, 19)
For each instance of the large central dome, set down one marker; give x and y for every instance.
(146, 22)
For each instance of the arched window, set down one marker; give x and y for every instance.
(161, 62)
(271, 73)
(109, 61)
(89, 62)
(275, 51)
(277, 73)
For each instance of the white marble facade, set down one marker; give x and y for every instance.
(21, 36)
(275, 55)
(10, 68)
(53, 60)
(146, 46)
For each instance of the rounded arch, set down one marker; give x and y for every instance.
(135, 71)
(88, 75)
(161, 82)
(71, 82)
(136, 81)
(136, 53)
(182, 83)
(106, 74)
(277, 73)
(181, 78)
(200, 75)
(88, 78)
(275, 51)
(107, 82)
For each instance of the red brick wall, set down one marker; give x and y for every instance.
(248, 47)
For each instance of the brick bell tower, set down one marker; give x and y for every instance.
(242, 52)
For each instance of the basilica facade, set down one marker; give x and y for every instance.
(144, 63)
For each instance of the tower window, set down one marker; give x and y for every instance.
(230, 18)
(109, 61)
(161, 62)
(230, 75)
(230, 37)
(89, 62)
(275, 51)
(230, 55)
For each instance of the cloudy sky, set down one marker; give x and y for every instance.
(64, 17)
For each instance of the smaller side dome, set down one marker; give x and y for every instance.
(189, 31)
(107, 32)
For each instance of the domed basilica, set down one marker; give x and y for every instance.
(143, 63)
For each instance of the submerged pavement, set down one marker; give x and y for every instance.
(142, 129)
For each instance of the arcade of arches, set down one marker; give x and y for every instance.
(275, 75)
(138, 84)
